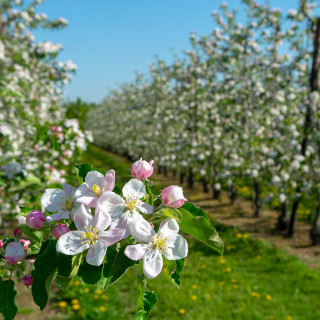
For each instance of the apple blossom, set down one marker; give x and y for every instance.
(173, 197)
(125, 210)
(27, 280)
(90, 235)
(94, 186)
(25, 243)
(142, 170)
(36, 219)
(14, 253)
(166, 242)
(60, 230)
(63, 202)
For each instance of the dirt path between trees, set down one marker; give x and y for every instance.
(240, 215)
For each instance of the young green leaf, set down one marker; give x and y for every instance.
(8, 307)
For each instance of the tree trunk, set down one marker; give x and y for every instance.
(256, 199)
(233, 194)
(205, 185)
(174, 173)
(283, 219)
(165, 171)
(190, 178)
(315, 229)
(159, 169)
(182, 176)
(307, 122)
(216, 194)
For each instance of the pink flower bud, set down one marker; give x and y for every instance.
(60, 230)
(35, 219)
(1, 244)
(142, 170)
(14, 253)
(25, 243)
(53, 128)
(16, 231)
(27, 280)
(172, 197)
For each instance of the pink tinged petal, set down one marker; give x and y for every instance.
(52, 200)
(88, 201)
(97, 252)
(102, 218)
(141, 230)
(177, 204)
(149, 174)
(68, 190)
(146, 208)
(84, 191)
(71, 243)
(134, 188)
(109, 180)
(62, 214)
(177, 249)
(136, 252)
(82, 218)
(95, 177)
(112, 236)
(112, 203)
(152, 263)
(169, 227)
(14, 253)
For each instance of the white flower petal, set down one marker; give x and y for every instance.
(88, 201)
(176, 250)
(71, 244)
(152, 263)
(112, 203)
(121, 224)
(145, 208)
(102, 218)
(134, 188)
(61, 214)
(169, 227)
(68, 190)
(136, 252)
(82, 218)
(96, 253)
(52, 200)
(95, 177)
(140, 229)
(111, 236)
(109, 180)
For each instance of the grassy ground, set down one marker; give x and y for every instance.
(252, 281)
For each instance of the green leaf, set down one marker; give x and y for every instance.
(62, 281)
(145, 301)
(8, 307)
(68, 266)
(196, 223)
(117, 190)
(150, 195)
(83, 168)
(24, 210)
(173, 270)
(170, 213)
(117, 263)
(31, 233)
(45, 269)
(90, 274)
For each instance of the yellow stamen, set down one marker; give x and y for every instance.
(96, 189)
(91, 235)
(159, 243)
(132, 202)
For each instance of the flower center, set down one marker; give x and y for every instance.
(132, 202)
(90, 235)
(96, 189)
(68, 203)
(159, 243)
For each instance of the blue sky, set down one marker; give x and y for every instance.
(109, 40)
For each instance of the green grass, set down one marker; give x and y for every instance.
(253, 280)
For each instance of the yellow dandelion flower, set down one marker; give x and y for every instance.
(182, 311)
(74, 301)
(62, 304)
(268, 297)
(289, 318)
(221, 283)
(76, 307)
(86, 290)
(95, 297)
(99, 291)
(227, 269)
(235, 286)
(208, 298)
(221, 259)
(194, 286)
(77, 283)
(185, 262)
(256, 294)
(245, 235)
(102, 308)
(106, 298)
(194, 297)
(271, 317)
(239, 235)
(233, 280)
(258, 257)
(203, 266)
(165, 270)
